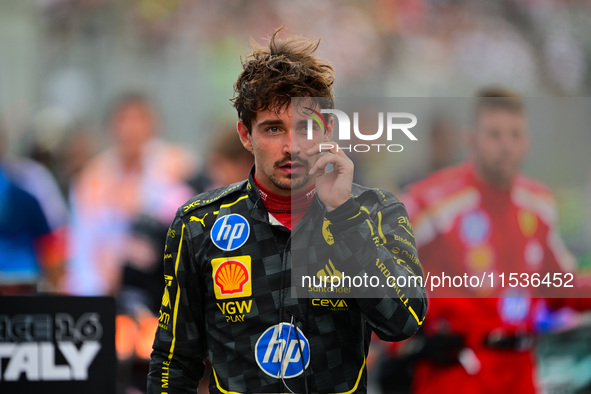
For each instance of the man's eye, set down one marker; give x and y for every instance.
(273, 129)
(494, 133)
(303, 130)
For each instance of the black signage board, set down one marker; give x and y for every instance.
(57, 344)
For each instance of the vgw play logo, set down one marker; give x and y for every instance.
(395, 123)
(279, 353)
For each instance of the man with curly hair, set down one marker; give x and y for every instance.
(228, 259)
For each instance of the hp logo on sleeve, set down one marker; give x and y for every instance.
(278, 352)
(230, 232)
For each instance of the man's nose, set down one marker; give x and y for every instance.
(507, 142)
(290, 144)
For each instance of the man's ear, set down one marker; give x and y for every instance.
(245, 136)
(328, 134)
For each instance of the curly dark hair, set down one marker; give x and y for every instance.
(273, 75)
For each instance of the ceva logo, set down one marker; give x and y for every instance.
(279, 353)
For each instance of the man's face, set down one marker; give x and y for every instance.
(133, 125)
(500, 144)
(279, 144)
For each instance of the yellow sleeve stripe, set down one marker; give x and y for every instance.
(353, 217)
(217, 383)
(361, 209)
(370, 227)
(420, 322)
(230, 204)
(178, 295)
(368, 222)
(358, 380)
(380, 227)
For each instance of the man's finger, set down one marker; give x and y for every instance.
(330, 158)
(320, 165)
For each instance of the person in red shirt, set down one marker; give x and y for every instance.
(484, 216)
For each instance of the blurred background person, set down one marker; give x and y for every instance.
(122, 201)
(39, 181)
(139, 173)
(485, 216)
(31, 237)
(66, 154)
(227, 163)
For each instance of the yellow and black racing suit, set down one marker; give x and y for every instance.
(228, 294)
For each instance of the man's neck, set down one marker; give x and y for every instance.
(288, 210)
(497, 182)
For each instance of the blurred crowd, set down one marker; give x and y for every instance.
(103, 231)
(73, 56)
(90, 177)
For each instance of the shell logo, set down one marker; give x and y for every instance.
(232, 277)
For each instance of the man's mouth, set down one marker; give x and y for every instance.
(292, 167)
